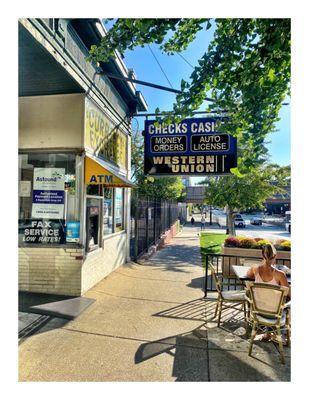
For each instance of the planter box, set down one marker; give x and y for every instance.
(239, 256)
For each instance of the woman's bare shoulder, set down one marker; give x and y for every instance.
(254, 269)
(279, 273)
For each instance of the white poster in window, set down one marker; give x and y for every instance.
(48, 193)
(118, 207)
(24, 188)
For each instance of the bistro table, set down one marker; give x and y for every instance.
(241, 273)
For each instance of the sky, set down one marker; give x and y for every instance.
(176, 68)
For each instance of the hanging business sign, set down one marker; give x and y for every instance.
(48, 193)
(192, 147)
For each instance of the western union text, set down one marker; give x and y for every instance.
(191, 164)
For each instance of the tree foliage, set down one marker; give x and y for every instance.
(250, 191)
(245, 70)
(165, 188)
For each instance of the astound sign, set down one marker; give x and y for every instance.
(192, 147)
(48, 193)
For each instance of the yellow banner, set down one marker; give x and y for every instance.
(101, 136)
(96, 174)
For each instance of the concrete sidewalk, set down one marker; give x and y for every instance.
(150, 322)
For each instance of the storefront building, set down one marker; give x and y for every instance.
(74, 158)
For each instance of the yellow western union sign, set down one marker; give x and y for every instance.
(101, 136)
(97, 174)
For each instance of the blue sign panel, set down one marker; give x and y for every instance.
(72, 231)
(194, 146)
(48, 196)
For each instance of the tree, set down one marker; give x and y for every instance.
(245, 70)
(250, 191)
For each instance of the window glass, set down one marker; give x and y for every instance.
(93, 223)
(108, 224)
(94, 190)
(47, 197)
(119, 209)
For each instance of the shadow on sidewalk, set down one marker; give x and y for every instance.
(192, 310)
(189, 351)
(195, 362)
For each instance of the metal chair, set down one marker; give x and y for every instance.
(267, 305)
(227, 296)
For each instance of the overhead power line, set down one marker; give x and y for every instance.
(160, 67)
(180, 55)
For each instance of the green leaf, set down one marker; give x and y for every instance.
(236, 172)
(271, 75)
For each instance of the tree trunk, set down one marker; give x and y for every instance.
(230, 221)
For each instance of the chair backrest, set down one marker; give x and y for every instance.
(267, 299)
(215, 277)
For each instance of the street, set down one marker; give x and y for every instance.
(267, 231)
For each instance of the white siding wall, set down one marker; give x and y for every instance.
(102, 262)
(55, 121)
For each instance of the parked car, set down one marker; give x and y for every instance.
(239, 222)
(256, 221)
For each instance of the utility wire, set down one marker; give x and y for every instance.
(185, 60)
(160, 67)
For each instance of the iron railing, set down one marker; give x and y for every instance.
(223, 267)
(150, 219)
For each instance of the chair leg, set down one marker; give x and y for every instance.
(288, 329)
(253, 334)
(246, 319)
(245, 311)
(288, 335)
(220, 310)
(216, 311)
(279, 338)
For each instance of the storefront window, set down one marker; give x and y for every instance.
(93, 212)
(119, 209)
(48, 198)
(94, 190)
(108, 224)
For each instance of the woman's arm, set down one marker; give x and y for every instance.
(251, 273)
(284, 282)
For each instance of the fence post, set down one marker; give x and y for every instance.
(136, 229)
(206, 276)
(154, 221)
(147, 233)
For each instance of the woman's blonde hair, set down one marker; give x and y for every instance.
(269, 251)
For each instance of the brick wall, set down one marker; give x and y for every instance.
(57, 271)
(48, 270)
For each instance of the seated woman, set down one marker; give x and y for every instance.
(267, 273)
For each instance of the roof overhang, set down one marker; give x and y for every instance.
(91, 31)
(38, 71)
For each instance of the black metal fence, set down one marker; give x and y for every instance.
(150, 219)
(223, 266)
